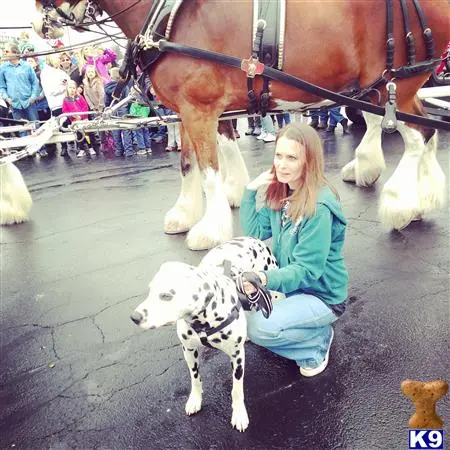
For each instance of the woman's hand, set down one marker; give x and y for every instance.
(261, 180)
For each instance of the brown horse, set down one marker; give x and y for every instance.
(336, 44)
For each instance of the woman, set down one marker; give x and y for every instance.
(303, 216)
(70, 68)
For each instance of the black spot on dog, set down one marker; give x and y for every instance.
(239, 339)
(238, 244)
(233, 299)
(239, 360)
(184, 348)
(223, 336)
(208, 298)
(213, 305)
(196, 354)
(230, 332)
(189, 332)
(237, 352)
(195, 297)
(196, 375)
(220, 318)
(172, 291)
(165, 296)
(216, 341)
(255, 254)
(238, 372)
(268, 260)
(184, 336)
(222, 293)
(266, 266)
(206, 286)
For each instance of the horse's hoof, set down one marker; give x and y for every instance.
(234, 192)
(348, 171)
(175, 222)
(394, 212)
(206, 234)
(367, 178)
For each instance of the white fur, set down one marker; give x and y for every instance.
(368, 163)
(216, 226)
(400, 200)
(431, 178)
(182, 293)
(188, 209)
(233, 170)
(15, 200)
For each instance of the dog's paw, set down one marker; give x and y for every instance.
(239, 419)
(194, 404)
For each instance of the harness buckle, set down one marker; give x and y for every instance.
(389, 122)
(252, 67)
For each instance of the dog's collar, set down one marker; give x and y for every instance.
(204, 332)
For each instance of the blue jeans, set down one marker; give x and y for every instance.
(142, 136)
(284, 117)
(299, 328)
(335, 116)
(29, 113)
(322, 116)
(123, 142)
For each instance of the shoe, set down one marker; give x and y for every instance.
(261, 136)
(344, 123)
(130, 155)
(149, 151)
(331, 129)
(249, 131)
(142, 152)
(236, 134)
(322, 126)
(314, 123)
(92, 152)
(311, 372)
(270, 137)
(81, 153)
(257, 131)
(170, 148)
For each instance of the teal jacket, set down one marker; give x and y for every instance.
(309, 253)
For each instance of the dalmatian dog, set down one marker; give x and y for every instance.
(205, 306)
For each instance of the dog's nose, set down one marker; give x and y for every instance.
(136, 317)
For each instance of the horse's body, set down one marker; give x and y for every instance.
(338, 45)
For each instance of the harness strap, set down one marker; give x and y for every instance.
(205, 332)
(427, 34)
(410, 44)
(283, 77)
(390, 41)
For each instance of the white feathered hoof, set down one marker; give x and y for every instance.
(210, 232)
(366, 173)
(15, 200)
(397, 209)
(348, 172)
(431, 183)
(177, 221)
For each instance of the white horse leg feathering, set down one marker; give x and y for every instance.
(368, 163)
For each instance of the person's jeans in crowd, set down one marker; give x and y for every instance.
(283, 118)
(162, 130)
(335, 116)
(173, 137)
(143, 140)
(268, 129)
(299, 328)
(123, 139)
(30, 113)
(319, 119)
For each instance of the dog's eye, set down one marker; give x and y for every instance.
(166, 296)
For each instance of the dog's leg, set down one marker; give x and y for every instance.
(234, 348)
(190, 343)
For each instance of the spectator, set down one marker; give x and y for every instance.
(101, 59)
(75, 103)
(283, 119)
(319, 119)
(268, 129)
(70, 68)
(254, 126)
(123, 139)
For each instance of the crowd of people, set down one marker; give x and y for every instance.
(78, 84)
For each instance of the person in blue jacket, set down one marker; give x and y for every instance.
(302, 214)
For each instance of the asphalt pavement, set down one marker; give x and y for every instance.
(75, 372)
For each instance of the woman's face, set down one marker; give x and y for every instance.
(32, 62)
(289, 161)
(72, 89)
(65, 62)
(90, 73)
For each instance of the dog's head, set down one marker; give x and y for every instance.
(170, 296)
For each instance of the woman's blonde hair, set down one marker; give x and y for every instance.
(302, 202)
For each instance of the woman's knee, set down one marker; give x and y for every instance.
(259, 329)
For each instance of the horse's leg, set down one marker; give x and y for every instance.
(232, 166)
(368, 163)
(431, 178)
(15, 199)
(188, 209)
(216, 226)
(418, 183)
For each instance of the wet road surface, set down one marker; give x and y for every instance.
(77, 373)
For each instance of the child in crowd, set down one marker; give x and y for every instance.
(99, 58)
(75, 103)
(94, 93)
